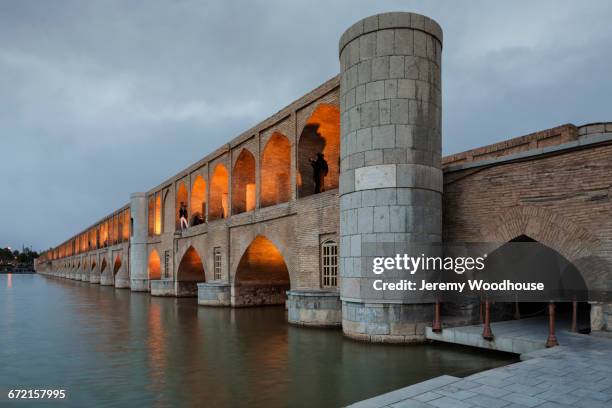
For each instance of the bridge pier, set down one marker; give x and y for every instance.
(139, 278)
(214, 294)
(94, 276)
(391, 175)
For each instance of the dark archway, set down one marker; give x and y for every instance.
(321, 135)
(525, 259)
(103, 266)
(262, 277)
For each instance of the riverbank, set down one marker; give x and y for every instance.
(578, 374)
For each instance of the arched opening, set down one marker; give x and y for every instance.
(158, 213)
(117, 265)
(198, 201)
(218, 206)
(190, 272)
(190, 268)
(524, 259)
(262, 277)
(103, 266)
(181, 200)
(93, 265)
(276, 171)
(154, 266)
(243, 183)
(320, 136)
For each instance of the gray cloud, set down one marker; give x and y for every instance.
(99, 99)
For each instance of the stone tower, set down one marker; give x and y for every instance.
(139, 278)
(390, 177)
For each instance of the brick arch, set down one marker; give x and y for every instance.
(287, 249)
(243, 182)
(117, 265)
(153, 265)
(555, 231)
(261, 275)
(320, 134)
(275, 171)
(191, 267)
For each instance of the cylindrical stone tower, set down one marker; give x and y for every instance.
(139, 278)
(390, 177)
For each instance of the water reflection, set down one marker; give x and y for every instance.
(111, 347)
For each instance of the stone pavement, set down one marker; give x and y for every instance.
(576, 374)
(511, 336)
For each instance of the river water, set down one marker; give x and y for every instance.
(112, 348)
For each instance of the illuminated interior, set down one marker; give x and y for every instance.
(126, 224)
(190, 268)
(218, 206)
(151, 217)
(117, 265)
(181, 198)
(198, 201)
(262, 276)
(321, 134)
(276, 171)
(243, 176)
(158, 214)
(104, 233)
(154, 265)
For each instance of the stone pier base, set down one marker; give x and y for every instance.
(94, 277)
(122, 283)
(214, 294)
(386, 322)
(162, 287)
(106, 280)
(169, 287)
(139, 285)
(259, 294)
(314, 308)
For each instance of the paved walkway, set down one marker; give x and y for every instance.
(511, 336)
(578, 373)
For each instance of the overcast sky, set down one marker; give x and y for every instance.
(102, 98)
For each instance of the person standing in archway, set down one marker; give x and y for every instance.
(183, 216)
(319, 171)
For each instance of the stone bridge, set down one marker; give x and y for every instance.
(259, 233)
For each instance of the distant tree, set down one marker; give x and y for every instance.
(6, 255)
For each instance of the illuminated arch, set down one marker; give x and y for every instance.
(321, 134)
(262, 277)
(243, 183)
(103, 265)
(154, 266)
(198, 201)
(117, 265)
(181, 198)
(276, 171)
(218, 205)
(190, 268)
